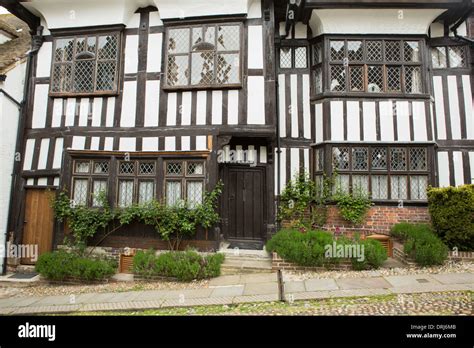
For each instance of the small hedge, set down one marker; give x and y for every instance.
(61, 265)
(421, 244)
(452, 215)
(184, 266)
(309, 249)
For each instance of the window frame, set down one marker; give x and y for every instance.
(448, 60)
(60, 35)
(136, 178)
(327, 63)
(91, 177)
(293, 45)
(189, 86)
(327, 168)
(184, 177)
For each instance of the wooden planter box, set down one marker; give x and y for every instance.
(386, 242)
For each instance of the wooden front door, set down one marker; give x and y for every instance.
(39, 222)
(244, 203)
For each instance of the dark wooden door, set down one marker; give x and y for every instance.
(244, 206)
(39, 221)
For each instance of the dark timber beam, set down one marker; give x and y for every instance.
(383, 3)
(14, 7)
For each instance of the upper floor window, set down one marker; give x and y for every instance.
(203, 56)
(369, 66)
(293, 57)
(86, 64)
(444, 57)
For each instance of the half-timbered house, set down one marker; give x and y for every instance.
(159, 99)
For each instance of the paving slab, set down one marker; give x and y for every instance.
(20, 301)
(226, 291)
(258, 278)
(99, 298)
(225, 280)
(454, 278)
(295, 286)
(358, 292)
(261, 288)
(256, 298)
(430, 288)
(362, 283)
(320, 284)
(53, 300)
(309, 295)
(410, 280)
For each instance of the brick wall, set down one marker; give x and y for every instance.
(379, 219)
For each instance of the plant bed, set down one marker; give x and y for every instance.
(61, 266)
(318, 250)
(176, 265)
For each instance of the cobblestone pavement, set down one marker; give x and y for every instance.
(441, 303)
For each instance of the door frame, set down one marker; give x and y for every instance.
(224, 170)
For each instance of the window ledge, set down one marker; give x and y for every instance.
(201, 88)
(83, 95)
(366, 95)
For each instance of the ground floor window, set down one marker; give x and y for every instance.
(383, 171)
(137, 181)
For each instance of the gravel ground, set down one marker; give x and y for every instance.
(449, 267)
(44, 289)
(442, 303)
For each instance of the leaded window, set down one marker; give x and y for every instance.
(86, 64)
(370, 66)
(203, 56)
(383, 171)
(136, 182)
(184, 182)
(447, 57)
(293, 57)
(89, 180)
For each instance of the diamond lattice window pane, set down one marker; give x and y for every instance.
(64, 50)
(108, 47)
(356, 78)
(355, 51)
(379, 158)
(101, 167)
(173, 192)
(127, 168)
(338, 78)
(146, 168)
(195, 168)
(178, 40)
(398, 186)
(80, 191)
(98, 187)
(202, 68)
(341, 184)
(80, 44)
(337, 50)
(82, 167)
(177, 71)
(418, 160)
(106, 76)
(360, 185)
(439, 57)
(340, 158)
(318, 80)
(285, 57)
(194, 193)
(393, 79)
(125, 194)
(91, 44)
(146, 191)
(413, 79)
(228, 38)
(360, 158)
(375, 79)
(374, 51)
(83, 76)
(398, 159)
(174, 168)
(319, 184)
(412, 51)
(392, 51)
(418, 187)
(62, 78)
(301, 58)
(317, 54)
(457, 57)
(319, 160)
(228, 68)
(379, 187)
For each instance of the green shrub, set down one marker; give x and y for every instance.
(184, 266)
(452, 215)
(421, 244)
(61, 265)
(374, 255)
(353, 206)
